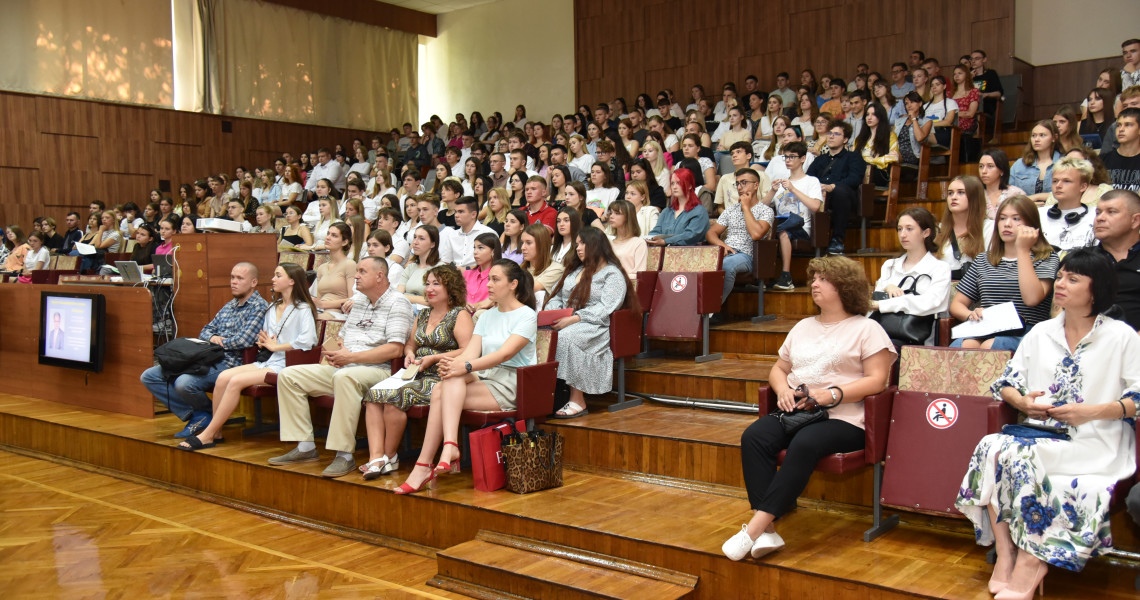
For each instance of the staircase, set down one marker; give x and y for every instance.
(497, 565)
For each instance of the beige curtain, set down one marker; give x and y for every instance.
(117, 50)
(280, 63)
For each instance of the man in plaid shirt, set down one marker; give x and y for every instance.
(234, 328)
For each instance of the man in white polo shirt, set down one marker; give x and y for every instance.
(373, 334)
(458, 247)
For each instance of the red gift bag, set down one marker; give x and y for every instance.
(487, 457)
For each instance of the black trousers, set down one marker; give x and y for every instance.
(775, 491)
(840, 202)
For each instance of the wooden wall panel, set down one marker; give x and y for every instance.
(59, 154)
(679, 44)
(1067, 83)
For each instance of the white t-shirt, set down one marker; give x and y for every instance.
(600, 198)
(289, 190)
(40, 256)
(786, 203)
(938, 110)
(1062, 235)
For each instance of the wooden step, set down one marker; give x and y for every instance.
(735, 378)
(528, 568)
(739, 336)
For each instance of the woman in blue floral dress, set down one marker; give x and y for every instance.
(1044, 500)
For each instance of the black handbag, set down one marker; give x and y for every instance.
(795, 420)
(904, 329)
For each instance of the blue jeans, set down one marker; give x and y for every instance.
(731, 265)
(1001, 342)
(186, 394)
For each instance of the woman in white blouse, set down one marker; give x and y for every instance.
(289, 324)
(919, 268)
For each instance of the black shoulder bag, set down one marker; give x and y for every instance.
(902, 328)
(795, 420)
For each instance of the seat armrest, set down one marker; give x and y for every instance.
(710, 284)
(625, 333)
(877, 423)
(765, 258)
(767, 400)
(535, 390)
(646, 285)
(249, 355)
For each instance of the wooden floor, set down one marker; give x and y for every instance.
(67, 532)
(620, 510)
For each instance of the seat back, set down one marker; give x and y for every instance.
(1011, 96)
(280, 223)
(820, 234)
(765, 258)
(943, 408)
(52, 261)
(319, 258)
(545, 343)
(653, 260)
(692, 259)
(301, 259)
(67, 263)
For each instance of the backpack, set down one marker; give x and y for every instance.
(187, 356)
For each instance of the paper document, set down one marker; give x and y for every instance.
(85, 249)
(995, 319)
(395, 382)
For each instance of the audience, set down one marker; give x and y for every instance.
(1123, 163)
(425, 255)
(823, 359)
(483, 376)
(487, 252)
(1033, 172)
(1068, 223)
(1019, 266)
(441, 332)
(794, 200)
(234, 328)
(594, 285)
(331, 286)
(537, 258)
(993, 170)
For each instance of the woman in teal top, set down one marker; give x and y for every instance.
(483, 376)
(685, 221)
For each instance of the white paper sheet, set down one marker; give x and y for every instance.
(995, 319)
(395, 382)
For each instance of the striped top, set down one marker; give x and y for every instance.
(989, 285)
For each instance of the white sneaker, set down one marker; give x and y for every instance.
(737, 546)
(766, 544)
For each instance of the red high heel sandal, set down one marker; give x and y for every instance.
(443, 468)
(429, 483)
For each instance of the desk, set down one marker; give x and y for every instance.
(128, 351)
(160, 293)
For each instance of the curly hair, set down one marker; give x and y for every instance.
(451, 280)
(849, 280)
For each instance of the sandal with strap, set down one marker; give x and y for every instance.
(448, 467)
(193, 444)
(565, 411)
(429, 483)
(372, 468)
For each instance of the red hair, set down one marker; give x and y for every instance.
(688, 188)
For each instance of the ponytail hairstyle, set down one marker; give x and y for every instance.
(514, 272)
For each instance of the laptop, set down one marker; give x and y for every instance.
(163, 268)
(130, 271)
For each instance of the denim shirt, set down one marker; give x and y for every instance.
(238, 325)
(1026, 176)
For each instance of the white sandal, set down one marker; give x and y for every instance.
(563, 413)
(370, 465)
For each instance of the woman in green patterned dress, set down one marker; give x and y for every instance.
(441, 331)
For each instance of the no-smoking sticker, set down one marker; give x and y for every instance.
(679, 283)
(942, 413)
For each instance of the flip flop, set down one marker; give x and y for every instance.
(194, 444)
(570, 405)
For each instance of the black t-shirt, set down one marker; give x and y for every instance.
(987, 82)
(1127, 284)
(1123, 170)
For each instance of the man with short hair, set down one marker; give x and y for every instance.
(751, 84)
(856, 107)
(517, 141)
(458, 248)
(73, 233)
(1130, 70)
(234, 328)
(740, 224)
(861, 69)
(1069, 224)
(452, 156)
(326, 168)
(1123, 163)
(1117, 228)
(372, 336)
(793, 200)
(932, 68)
(405, 141)
(94, 207)
(558, 156)
(417, 153)
(602, 115)
(428, 206)
(834, 106)
(787, 94)
(499, 172)
(389, 220)
(727, 94)
(840, 172)
(915, 59)
(637, 119)
(377, 144)
(537, 210)
(1129, 98)
(726, 188)
(988, 83)
(235, 211)
(518, 162)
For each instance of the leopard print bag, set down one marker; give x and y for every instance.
(533, 461)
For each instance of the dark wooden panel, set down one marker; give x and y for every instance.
(371, 13)
(68, 117)
(20, 192)
(17, 131)
(680, 44)
(128, 351)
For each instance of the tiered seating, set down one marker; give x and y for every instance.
(625, 341)
(951, 153)
(301, 259)
(870, 197)
(683, 294)
(268, 389)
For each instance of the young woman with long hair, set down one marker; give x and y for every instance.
(537, 259)
(289, 324)
(334, 280)
(511, 239)
(487, 251)
(594, 285)
(878, 144)
(425, 255)
(686, 221)
(1033, 172)
(1098, 116)
(1068, 126)
(993, 170)
(919, 267)
(494, 212)
(566, 226)
(628, 245)
(295, 234)
(965, 231)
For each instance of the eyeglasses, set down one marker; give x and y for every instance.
(745, 183)
(834, 134)
(791, 156)
(364, 323)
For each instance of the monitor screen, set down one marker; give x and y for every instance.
(72, 330)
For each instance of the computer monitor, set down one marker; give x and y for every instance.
(72, 330)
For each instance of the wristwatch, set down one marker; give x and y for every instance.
(467, 365)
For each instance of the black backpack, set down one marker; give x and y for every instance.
(187, 356)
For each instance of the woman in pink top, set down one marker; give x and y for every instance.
(166, 230)
(835, 359)
(487, 251)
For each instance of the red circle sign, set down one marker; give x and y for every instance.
(942, 413)
(679, 283)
